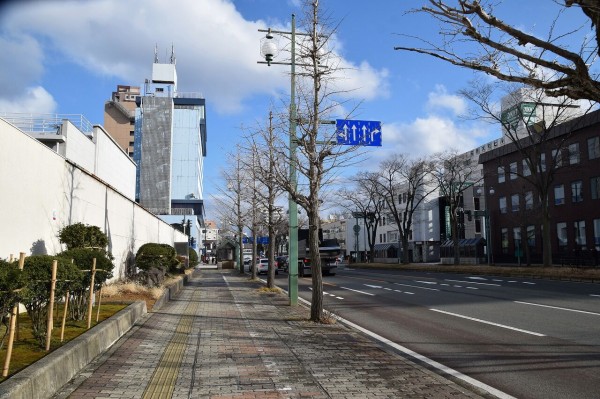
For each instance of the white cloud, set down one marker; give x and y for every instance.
(440, 99)
(21, 63)
(216, 48)
(426, 136)
(34, 100)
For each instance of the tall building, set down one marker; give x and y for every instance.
(119, 116)
(169, 149)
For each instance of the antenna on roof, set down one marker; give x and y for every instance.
(172, 54)
(156, 53)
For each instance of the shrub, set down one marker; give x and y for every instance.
(36, 296)
(159, 256)
(83, 259)
(79, 235)
(193, 257)
(11, 282)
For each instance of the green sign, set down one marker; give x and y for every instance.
(521, 112)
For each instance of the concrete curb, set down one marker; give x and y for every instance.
(45, 377)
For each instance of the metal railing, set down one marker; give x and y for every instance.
(46, 123)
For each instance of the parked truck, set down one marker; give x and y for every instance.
(329, 251)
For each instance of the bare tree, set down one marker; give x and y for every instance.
(454, 174)
(318, 157)
(264, 145)
(232, 201)
(529, 122)
(365, 199)
(474, 38)
(404, 183)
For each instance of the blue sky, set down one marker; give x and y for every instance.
(68, 56)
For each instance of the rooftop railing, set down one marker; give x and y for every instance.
(46, 123)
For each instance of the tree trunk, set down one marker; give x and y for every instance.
(271, 256)
(316, 310)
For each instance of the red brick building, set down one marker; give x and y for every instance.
(571, 158)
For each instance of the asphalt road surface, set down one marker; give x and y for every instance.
(526, 338)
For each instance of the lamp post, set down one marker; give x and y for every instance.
(269, 50)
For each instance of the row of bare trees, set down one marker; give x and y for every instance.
(399, 188)
(259, 175)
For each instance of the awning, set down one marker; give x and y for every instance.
(386, 246)
(465, 242)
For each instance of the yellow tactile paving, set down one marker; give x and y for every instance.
(162, 383)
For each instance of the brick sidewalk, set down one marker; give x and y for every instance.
(222, 338)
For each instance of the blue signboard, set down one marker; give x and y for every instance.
(365, 133)
(259, 240)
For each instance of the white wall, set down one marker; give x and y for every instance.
(113, 165)
(42, 192)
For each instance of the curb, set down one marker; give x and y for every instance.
(45, 377)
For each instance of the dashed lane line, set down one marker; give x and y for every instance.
(558, 308)
(488, 322)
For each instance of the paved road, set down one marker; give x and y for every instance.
(528, 338)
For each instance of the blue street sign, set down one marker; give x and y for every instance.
(365, 133)
(259, 240)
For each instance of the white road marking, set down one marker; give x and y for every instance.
(527, 282)
(497, 280)
(426, 282)
(472, 288)
(594, 295)
(387, 289)
(559, 308)
(488, 322)
(339, 297)
(472, 282)
(477, 278)
(444, 369)
(416, 286)
(360, 292)
(373, 286)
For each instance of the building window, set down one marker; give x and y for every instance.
(383, 221)
(557, 158)
(478, 226)
(131, 143)
(594, 147)
(574, 154)
(531, 236)
(595, 187)
(476, 203)
(580, 233)
(597, 234)
(131, 133)
(504, 240)
(529, 200)
(514, 202)
(561, 234)
(517, 237)
(513, 170)
(559, 194)
(526, 170)
(501, 176)
(542, 165)
(502, 203)
(576, 194)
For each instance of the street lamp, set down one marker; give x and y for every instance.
(269, 50)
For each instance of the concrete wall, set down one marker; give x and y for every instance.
(42, 192)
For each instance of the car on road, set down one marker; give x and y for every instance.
(282, 262)
(262, 266)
